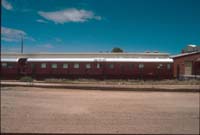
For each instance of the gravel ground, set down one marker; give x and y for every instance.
(94, 111)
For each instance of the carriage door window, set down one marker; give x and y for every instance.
(141, 66)
(168, 66)
(98, 65)
(43, 65)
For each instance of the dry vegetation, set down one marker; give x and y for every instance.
(124, 82)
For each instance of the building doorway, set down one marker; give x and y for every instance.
(178, 71)
(188, 68)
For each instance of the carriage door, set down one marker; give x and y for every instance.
(188, 68)
(22, 66)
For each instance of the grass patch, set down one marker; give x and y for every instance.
(124, 82)
(26, 79)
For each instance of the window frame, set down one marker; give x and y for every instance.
(54, 65)
(88, 66)
(4, 64)
(141, 66)
(131, 66)
(98, 65)
(76, 65)
(42, 65)
(111, 66)
(65, 65)
(10, 65)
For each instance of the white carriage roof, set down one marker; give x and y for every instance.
(100, 60)
(9, 59)
(87, 55)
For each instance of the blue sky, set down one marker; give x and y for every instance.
(99, 25)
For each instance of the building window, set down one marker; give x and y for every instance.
(53, 65)
(65, 65)
(98, 65)
(76, 65)
(168, 66)
(43, 65)
(111, 66)
(4, 64)
(88, 66)
(141, 66)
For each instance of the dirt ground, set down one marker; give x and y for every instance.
(45, 110)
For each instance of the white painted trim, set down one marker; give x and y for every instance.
(9, 59)
(100, 60)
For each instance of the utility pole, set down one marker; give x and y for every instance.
(22, 44)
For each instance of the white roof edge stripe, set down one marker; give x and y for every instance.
(9, 59)
(100, 59)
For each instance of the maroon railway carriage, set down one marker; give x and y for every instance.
(98, 68)
(9, 68)
(102, 68)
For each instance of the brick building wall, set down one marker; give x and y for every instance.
(184, 61)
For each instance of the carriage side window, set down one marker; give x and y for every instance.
(53, 65)
(131, 66)
(160, 66)
(65, 65)
(98, 65)
(88, 66)
(111, 66)
(168, 66)
(43, 65)
(141, 66)
(122, 66)
(76, 65)
(32, 65)
(10, 65)
(4, 65)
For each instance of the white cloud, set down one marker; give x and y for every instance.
(41, 21)
(7, 5)
(69, 15)
(13, 35)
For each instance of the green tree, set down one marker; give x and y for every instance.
(117, 49)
